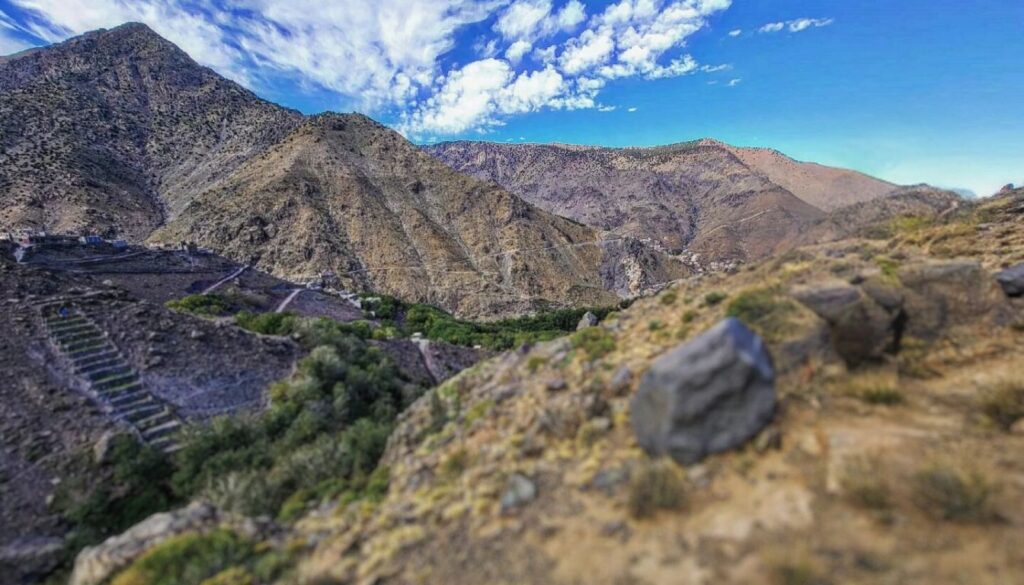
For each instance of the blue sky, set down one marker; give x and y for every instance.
(908, 90)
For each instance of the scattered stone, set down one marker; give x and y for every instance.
(589, 320)
(1012, 281)
(607, 480)
(861, 330)
(621, 381)
(556, 385)
(197, 334)
(519, 491)
(770, 438)
(708, 395)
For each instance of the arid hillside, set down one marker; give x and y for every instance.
(115, 131)
(119, 132)
(892, 452)
(345, 193)
(706, 197)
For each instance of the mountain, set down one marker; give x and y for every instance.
(344, 192)
(120, 132)
(703, 196)
(114, 131)
(827, 188)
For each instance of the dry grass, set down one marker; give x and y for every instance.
(865, 484)
(1003, 403)
(655, 486)
(953, 493)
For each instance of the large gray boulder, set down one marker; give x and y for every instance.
(946, 294)
(708, 395)
(1012, 281)
(861, 329)
(589, 320)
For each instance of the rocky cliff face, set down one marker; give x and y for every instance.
(115, 131)
(120, 132)
(345, 193)
(707, 197)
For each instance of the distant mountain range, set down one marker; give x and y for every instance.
(120, 132)
(704, 196)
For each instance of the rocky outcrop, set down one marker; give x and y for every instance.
(860, 328)
(945, 294)
(96, 564)
(708, 395)
(1012, 280)
(588, 320)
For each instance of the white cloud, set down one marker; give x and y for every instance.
(606, 108)
(517, 50)
(631, 110)
(531, 20)
(10, 44)
(735, 33)
(795, 26)
(735, 82)
(395, 56)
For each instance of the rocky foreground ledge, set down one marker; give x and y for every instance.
(893, 451)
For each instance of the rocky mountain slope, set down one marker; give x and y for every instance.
(346, 193)
(894, 454)
(705, 196)
(115, 131)
(120, 132)
(827, 188)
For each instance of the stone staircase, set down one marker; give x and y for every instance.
(111, 380)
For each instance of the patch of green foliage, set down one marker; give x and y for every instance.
(327, 423)
(203, 305)
(189, 559)
(713, 298)
(311, 332)
(131, 486)
(595, 342)
(434, 323)
(764, 310)
(882, 395)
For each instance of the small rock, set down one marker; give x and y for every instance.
(197, 334)
(519, 491)
(621, 381)
(589, 320)
(102, 449)
(770, 438)
(708, 395)
(556, 385)
(1012, 281)
(1018, 427)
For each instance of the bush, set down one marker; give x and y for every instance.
(946, 493)
(1004, 403)
(594, 341)
(267, 323)
(713, 298)
(763, 310)
(203, 305)
(189, 559)
(882, 395)
(655, 486)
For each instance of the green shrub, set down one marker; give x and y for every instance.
(595, 342)
(865, 485)
(947, 493)
(188, 559)
(203, 305)
(267, 323)
(763, 310)
(1004, 403)
(669, 298)
(655, 486)
(713, 298)
(882, 395)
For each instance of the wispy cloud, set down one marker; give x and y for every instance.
(735, 82)
(795, 26)
(735, 33)
(394, 56)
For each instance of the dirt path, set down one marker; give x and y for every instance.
(220, 282)
(284, 304)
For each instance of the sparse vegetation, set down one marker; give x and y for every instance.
(1004, 403)
(669, 298)
(595, 342)
(882, 395)
(190, 559)
(714, 298)
(764, 310)
(655, 486)
(946, 492)
(865, 484)
(202, 305)
(437, 324)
